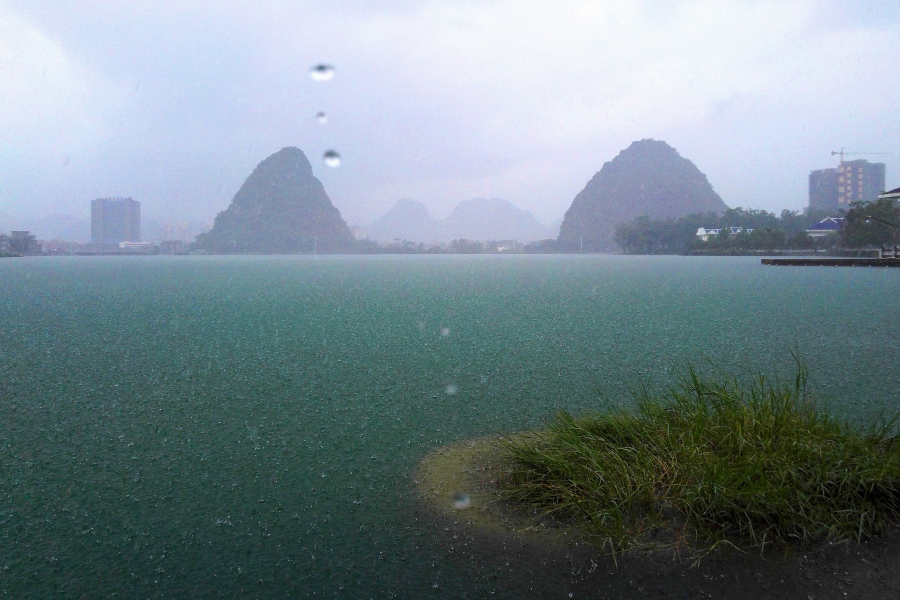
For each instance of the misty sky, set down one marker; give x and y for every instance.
(173, 102)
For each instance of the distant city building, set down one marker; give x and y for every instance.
(703, 233)
(115, 220)
(851, 181)
(145, 247)
(891, 195)
(860, 180)
(22, 242)
(171, 247)
(358, 232)
(823, 189)
(826, 226)
(509, 246)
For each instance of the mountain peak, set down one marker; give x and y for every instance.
(649, 177)
(281, 208)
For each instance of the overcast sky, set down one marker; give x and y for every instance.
(173, 103)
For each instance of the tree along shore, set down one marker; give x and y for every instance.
(770, 232)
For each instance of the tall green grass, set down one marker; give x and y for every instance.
(711, 460)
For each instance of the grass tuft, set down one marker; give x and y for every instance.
(710, 461)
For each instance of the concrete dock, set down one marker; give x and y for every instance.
(832, 262)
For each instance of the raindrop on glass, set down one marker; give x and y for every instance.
(321, 117)
(445, 331)
(451, 389)
(321, 72)
(332, 159)
(461, 501)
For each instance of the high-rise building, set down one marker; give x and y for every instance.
(823, 189)
(860, 180)
(851, 181)
(115, 220)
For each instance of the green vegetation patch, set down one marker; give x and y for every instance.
(710, 461)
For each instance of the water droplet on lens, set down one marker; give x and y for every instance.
(332, 159)
(445, 331)
(451, 389)
(321, 117)
(321, 72)
(461, 501)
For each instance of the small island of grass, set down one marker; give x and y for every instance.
(707, 462)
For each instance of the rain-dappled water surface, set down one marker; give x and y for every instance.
(246, 426)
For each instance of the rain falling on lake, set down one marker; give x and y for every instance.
(248, 426)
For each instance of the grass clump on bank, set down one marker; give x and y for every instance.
(710, 461)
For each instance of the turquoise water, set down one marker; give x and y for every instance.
(246, 426)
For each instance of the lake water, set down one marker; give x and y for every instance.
(247, 426)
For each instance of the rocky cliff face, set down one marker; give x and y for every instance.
(280, 209)
(647, 178)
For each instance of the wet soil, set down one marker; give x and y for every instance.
(543, 550)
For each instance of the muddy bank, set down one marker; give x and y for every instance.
(459, 482)
(458, 485)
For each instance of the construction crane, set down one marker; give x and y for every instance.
(841, 153)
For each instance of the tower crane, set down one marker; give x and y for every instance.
(841, 153)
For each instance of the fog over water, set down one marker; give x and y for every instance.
(174, 103)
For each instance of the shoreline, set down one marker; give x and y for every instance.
(459, 482)
(868, 569)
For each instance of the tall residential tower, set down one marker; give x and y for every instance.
(852, 181)
(115, 220)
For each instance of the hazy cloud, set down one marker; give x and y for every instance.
(173, 103)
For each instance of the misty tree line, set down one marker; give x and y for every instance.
(645, 235)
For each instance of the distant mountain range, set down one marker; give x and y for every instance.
(475, 219)
(283, 208)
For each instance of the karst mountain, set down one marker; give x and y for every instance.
(475, 219)
(647, 178)
(281, 208)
